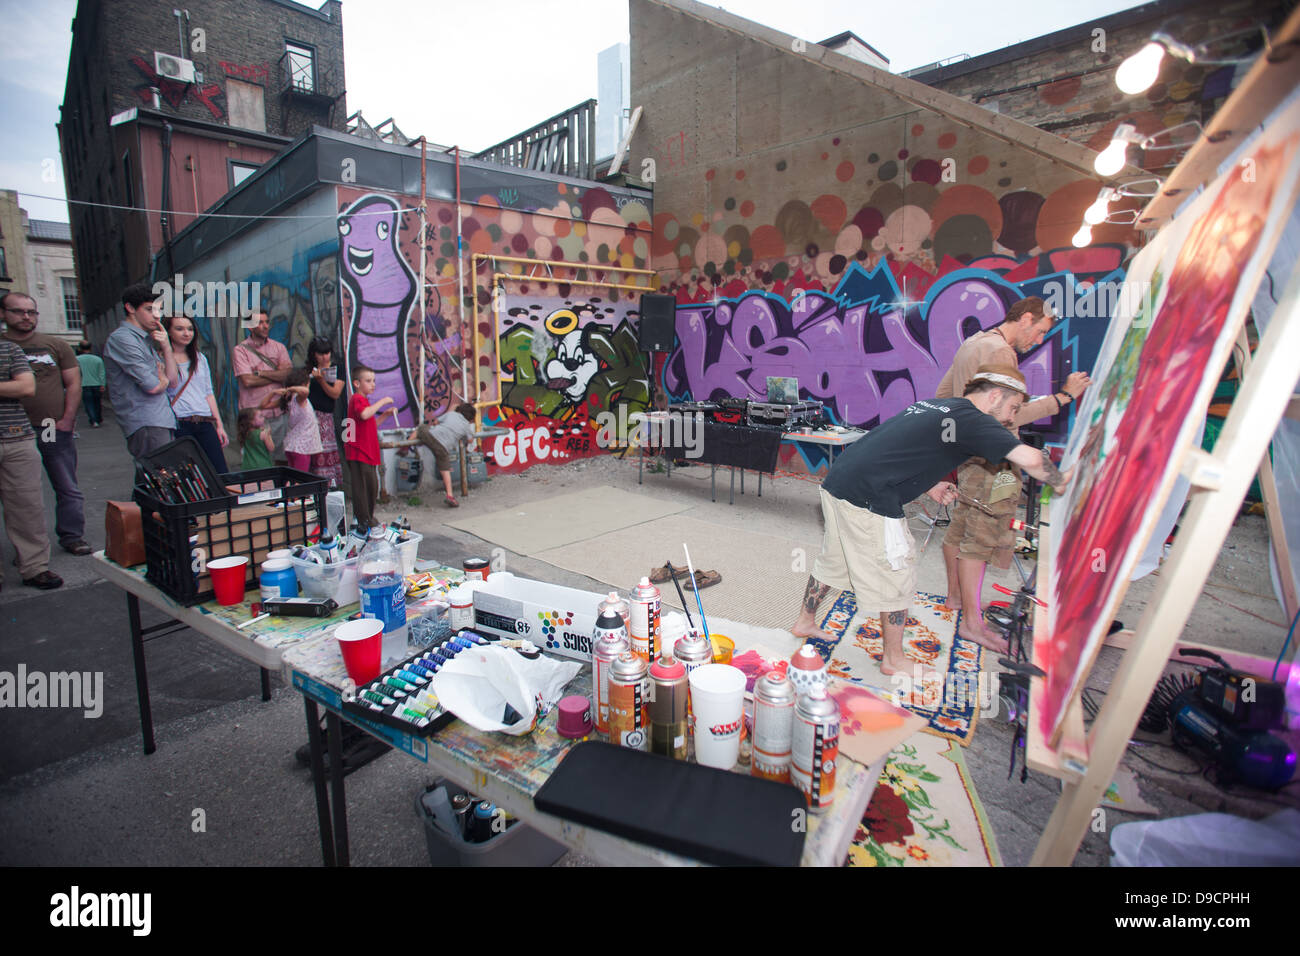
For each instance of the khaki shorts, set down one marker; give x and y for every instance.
(853, 558)
(441, 457)
(978, 536)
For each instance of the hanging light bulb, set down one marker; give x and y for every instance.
(1083, 237)
(1111, 159)
(1099, 210)
(1137, 73)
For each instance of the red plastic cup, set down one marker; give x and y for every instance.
(361, 643)
(228, 579)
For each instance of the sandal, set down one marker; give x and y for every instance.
(703, 579)
(666, 572)
(452, 502)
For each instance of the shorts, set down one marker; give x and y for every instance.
(853, 557)
(978, 536)
(441, 459)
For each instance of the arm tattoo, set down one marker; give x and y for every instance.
(813, 594)
(897, 618)
(1053, 474)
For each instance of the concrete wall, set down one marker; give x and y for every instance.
(906, 226)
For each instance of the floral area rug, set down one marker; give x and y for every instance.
(924, 812)
(951, 702)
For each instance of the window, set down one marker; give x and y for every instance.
(71, 304)
(240, 171)
(4, 271)
(302, 73)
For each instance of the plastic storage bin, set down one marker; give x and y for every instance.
(339, 579)
(517, 846)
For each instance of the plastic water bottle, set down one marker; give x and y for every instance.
(383, 593)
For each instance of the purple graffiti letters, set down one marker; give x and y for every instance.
(862, 359)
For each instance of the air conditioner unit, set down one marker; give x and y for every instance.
(171, 67)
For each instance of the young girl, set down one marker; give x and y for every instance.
(302, 439)
(192, 400)
(255, 437)
(323, 392)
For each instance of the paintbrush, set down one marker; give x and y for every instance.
(682, 597)
(704, 622)
(975, 503)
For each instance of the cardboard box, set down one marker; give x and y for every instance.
(557, 619)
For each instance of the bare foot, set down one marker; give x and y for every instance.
(952, 601)
(813, 633)
(984, 637)
(890, 665)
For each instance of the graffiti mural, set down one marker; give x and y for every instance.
(563, 362)
(866, 349)
(381, 286)
(598, 229)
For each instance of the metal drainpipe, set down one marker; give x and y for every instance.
(166, 198)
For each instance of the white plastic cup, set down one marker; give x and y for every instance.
(718, 701)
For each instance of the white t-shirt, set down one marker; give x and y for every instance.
(194, 400)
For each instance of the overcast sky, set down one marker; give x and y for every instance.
(474, 72)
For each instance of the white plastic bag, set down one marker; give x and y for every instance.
(479, 683)
(1209, 839)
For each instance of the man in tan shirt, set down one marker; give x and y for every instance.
(974, 538)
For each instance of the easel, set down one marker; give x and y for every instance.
(1086, 762)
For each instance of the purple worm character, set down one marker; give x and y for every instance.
(382, 288)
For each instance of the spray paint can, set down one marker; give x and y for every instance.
(807, 670)
(628, 695)
(462, 804)
(668, 691)
(609, 639)
(693, 650)
(613, 602)
(643, 625)
(774, 700)
(815, 747)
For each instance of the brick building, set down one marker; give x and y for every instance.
(1064, 82)
(165, 110)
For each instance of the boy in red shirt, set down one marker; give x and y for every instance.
(361, 444)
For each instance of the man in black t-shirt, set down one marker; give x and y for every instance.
(867, 547)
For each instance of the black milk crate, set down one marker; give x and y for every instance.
(264, 510)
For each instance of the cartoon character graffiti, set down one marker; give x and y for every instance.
(382, 288)
(572, 366)
(575, 362)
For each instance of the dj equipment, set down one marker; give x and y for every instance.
(784, 414)
(655, 333)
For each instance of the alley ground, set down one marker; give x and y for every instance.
(79, 791)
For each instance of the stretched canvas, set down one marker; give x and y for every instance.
(1184, 302)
